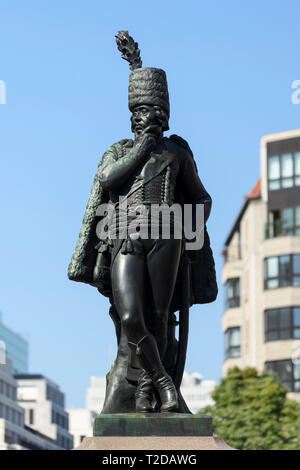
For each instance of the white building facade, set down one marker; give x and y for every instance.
(81, 420)
(261, 273)
(81, 423)
(196, 391)
(44, 408)
(95, 394)
(14, 434)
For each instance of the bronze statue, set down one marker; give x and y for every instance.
(147, 278)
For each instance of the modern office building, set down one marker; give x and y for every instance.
(16, 347)
(14, 434)
(261, 272)
(44, 408)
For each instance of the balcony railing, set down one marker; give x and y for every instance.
(277, 229)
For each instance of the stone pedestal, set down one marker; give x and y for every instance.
(155, 431)
(152, 424)
(153, 443)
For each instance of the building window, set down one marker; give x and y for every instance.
(65, 422)
(232, 342)
(282, 323)
(55, 395)
(31, 416)
(287, 372)
(284, 222)
(284, 171)
(232, 293)
(281, 271)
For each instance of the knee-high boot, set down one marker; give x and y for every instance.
(144, 396)
(149, 357)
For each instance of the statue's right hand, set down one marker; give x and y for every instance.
(146, 140)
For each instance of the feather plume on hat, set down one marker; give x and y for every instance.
(147, 85)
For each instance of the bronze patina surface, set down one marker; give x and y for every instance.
(151, 282)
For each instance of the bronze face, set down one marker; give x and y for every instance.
(142, 117)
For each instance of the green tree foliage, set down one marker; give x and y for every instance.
(251, 411)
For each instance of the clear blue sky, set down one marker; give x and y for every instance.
(230, 65)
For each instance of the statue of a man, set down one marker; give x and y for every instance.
(147, 277)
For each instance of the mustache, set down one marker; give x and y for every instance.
(138, 126)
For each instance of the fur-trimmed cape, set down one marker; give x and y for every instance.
(203, 286)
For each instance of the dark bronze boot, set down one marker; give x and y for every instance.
(144, 394)
(148, 355)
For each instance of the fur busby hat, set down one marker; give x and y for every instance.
(147, 85)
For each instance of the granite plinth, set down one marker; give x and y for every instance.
(176, 443)
(152, 424)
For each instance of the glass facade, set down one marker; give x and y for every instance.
(16, 348)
